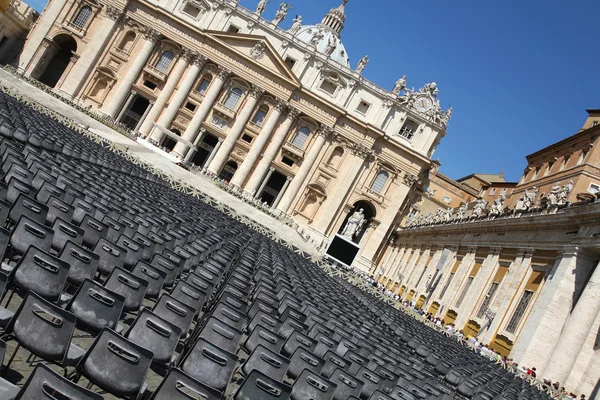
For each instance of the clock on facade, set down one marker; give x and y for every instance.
(423, 103)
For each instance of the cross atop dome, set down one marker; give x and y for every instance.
(335, 18)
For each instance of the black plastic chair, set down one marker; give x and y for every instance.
(221, 335)
(155, 334)
(310, 386)
(131, 287)
(174, 311)
(82, 261)
(260, 386)
(30, 233)
(209, 364)
(110, 255)
(58, 208)
(154, 277)
(177, 385)
(63, 232)
(96, 307)
(346, 385)
(273, 364)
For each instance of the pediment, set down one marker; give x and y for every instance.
(258, 50)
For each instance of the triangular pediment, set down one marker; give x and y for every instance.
(258, 50)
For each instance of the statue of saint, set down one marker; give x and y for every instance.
(362, 63)
(480, 206)
(281, 13)
(261, 7)
(317, 38)
(554, 194)
(399, 86)
(354, 224)
(330, 46)
(296, 25)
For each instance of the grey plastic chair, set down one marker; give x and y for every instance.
(155, 334)
(303, 359)
(110, 256)
(371, 381)
(310, 386)
(131, 287)
(96, 307)
(260, 386)
(58, 208)
(115, 364)
(154, 277)
(209, 364)
(346, 385)
(221, 335)
(25, 205)
(174, 311)
(270, 363)
(63, 232)
(93, 230)
(44, 383)
(177, 385)
(189, 295)
(265, 337)
(82, 261)
(27, 232)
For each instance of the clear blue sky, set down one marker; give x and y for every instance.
(519, 74)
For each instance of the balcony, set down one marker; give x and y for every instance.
(224, 112)
(292, 151)
(149, 69)
(71, 27)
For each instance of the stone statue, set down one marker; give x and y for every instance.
(498, 206)
(554, 194)
(448, 214)
(526, 201)
(409, 98)
(362, 63)
(330, 46)
(354, 224)
(296, 25)
(261, 7)
(462, 212)
(431, 88)
(317, 38)
(564, 193)
(447, 115)
(281, 13)
(399, 86)
(480, 206)
(429, 219)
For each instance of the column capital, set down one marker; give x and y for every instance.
(256, 92)
(132, 92)
(289, 178)
(114, 13)
(220, 140)
(200, 60)
(327, 132)
(362, 151)
(223, 73)
(281, 105)
(188, 55)
(569, 250)
(152, 35)
(293, 113)
(271, 169)
(525, 252)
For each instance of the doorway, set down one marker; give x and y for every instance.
(168, 143)
(205, 147)
(63, 47)
(272, 188)
(132, 117)
(228, 170)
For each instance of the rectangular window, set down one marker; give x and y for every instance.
(233, 29)
(446, 199)
(408, 129)
(247, 138)
(328, 87)
(191, 10)
(190, 106)
(363, 107)
(290, 62)
(492, 191)
(446, 285)
(287, 161)
(150, 85)
(594, 188)
(488, 299)
(594, 123)
(463, 294)
(519, 312)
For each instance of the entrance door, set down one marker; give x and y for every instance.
(65, 47)
(228, 170)
(132, 117)
(168, 142)
(205, 147)
(272, 188)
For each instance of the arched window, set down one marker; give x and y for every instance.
(300, 137)
(127, 41)
(233, 97)
(261, 114)
(204, 84)
(82, 17)
(336, 157)
(164, 61)
(379, 182)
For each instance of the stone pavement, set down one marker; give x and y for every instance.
(200, 182)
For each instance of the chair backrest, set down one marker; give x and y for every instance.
(42, 328)
(189, 295)
(134, 250)
(93, 230)
(115, 364)
(273, 364)
(209, 364)
(372, 381)
(346, 385)
(82, 261)
(46, 190)
(304, 359)
(174, 311)
(263, 336)
(27, 232)
(400, 393)
(312, 386)
(177, 385)
(155, 334)
(171, 269)
(155, 278)
(295, 340)
(96, 307)
(110, 255)
(17, 187)
(82, 209)
(260, 386)
(379, 395)
(58, 208)
(221, 335)
(41, 273)
(115, 229)
(63, 232)
(126, 284)
(44, 383)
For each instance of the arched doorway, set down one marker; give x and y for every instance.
(205, 147)
(272, 188)
(228, 170)
(168, 142)
(63, 47)
(132, 116)
(368, 213)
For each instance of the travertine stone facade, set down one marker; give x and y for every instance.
(277, 112)
(15, 22)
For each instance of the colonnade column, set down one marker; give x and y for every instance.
(242, 172)
(146, 111)
(150, 38)
(264, 182)
(194, 149)
(127, 104)
(322, 134)
(238, 127)
(194, 125)
(213, 152)
(165, 94)
(575, 331)
(283, 191)
(82, 68)
(180, 95)
(271, 152)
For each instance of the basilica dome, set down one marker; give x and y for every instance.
(326, 35)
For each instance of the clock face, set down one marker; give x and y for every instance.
(423, 104)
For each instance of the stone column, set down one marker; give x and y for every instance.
(82, 69)
(133, 71)
(165, 94)
(236, 130)
(575, 331)
(194, 149)
(151, 103)
(38, 34)
(180, 95)
(264, 182)
(193, 127)
(262, 138)
(271, 152)
(303, 171)
(127, 104)
(283, 191)
(213, 152)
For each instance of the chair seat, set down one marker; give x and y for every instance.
(73, 355)
(8, 391)
(5, 316)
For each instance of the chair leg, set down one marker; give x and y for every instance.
(12, 357)
(12, 293)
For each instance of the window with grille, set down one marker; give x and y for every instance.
(259, 117)
(300, 137)
(488, 299)
(164, 61)
(408, 129)
(519, 312)
(446, 285)
(203, 85)
(82, 17)
(233, 98)
(464, 291)
(379, 182)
